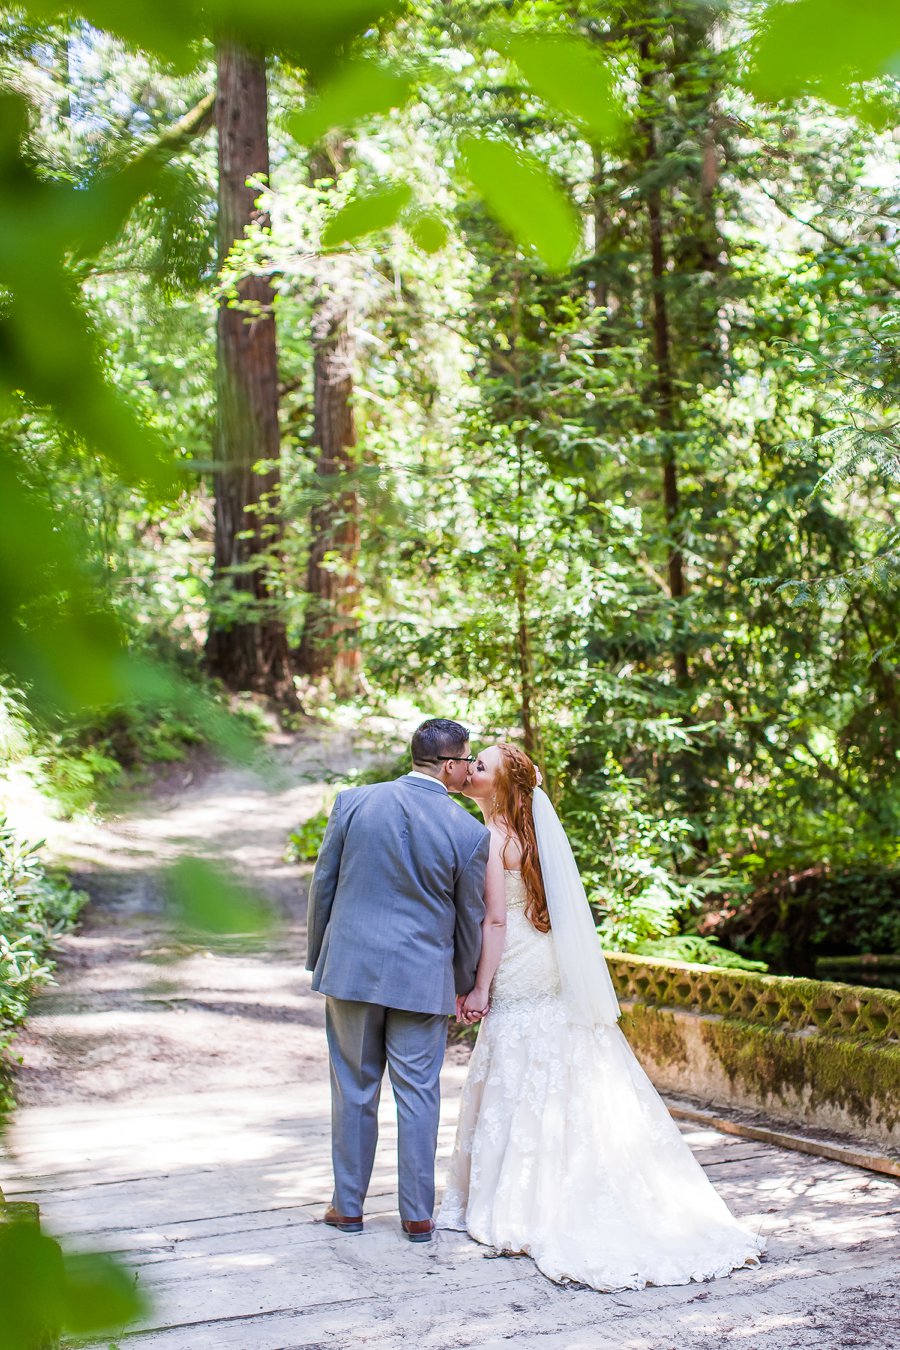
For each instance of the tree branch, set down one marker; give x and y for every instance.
(885, 268)
(174, 138)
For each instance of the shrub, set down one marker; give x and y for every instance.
(641, 871)
(36, 907)
(303, 842)
(700, 950)
(77, 762)
(793, 918)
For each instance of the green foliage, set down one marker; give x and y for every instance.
(78, 762)
(305, 30)
(358, 90)
(824, 47)
(52, 357)
(75, 654)
(524, 197)
(44, 1291)
(427, 230)
(860, 454)
(637, 869)
(77, 777)
(377, 210)
(700, 950)
(520, 428)
(209, 904)
(858, 910)
(303, 842)
(36, 906)
(525, 570)
(573, 77)
(136, 735)
(835, 911)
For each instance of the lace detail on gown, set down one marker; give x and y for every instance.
(564, 1150)
(527, 973)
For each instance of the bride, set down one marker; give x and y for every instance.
(564, 1151)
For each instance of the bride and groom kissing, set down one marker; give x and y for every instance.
(564, 1151)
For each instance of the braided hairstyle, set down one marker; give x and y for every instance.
(514, 784)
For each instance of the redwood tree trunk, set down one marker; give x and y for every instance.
(328, 646)
(665, 393)
(600, 296)
(247, 644)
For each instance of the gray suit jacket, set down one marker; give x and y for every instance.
(397, 898)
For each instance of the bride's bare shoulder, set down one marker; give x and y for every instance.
(505, 846)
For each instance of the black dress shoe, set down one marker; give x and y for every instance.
(341, 1221)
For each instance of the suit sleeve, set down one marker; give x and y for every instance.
(469, 902)
(323, 885)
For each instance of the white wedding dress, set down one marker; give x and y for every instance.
(565, 1152)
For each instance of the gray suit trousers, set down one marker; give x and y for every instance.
(362, 1039)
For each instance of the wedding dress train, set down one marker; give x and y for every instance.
(565, 1152)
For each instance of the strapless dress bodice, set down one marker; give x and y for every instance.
(516, 895)
(528, 971)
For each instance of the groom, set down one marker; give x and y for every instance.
(394, 926)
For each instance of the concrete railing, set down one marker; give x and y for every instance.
(804, 1051)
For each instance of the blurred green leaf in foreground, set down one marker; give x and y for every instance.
(524, 197)
(308, 31)
(377, 210)
(206, 901)
(359, 90)
(572, 76)
(825, 48)
(44, 1291)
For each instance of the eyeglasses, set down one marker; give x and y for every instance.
(457, 759)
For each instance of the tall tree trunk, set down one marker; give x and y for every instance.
(528, 693)
(665, 393)
(600, 220)
(328, 646)
(530, 732)
(247, 647)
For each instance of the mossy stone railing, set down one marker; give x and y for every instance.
(774, 1000)
(807, 1051)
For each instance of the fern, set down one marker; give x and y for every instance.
(700, 950)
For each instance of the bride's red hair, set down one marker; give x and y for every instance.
(514, 783)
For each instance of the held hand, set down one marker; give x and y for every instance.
(475, 1005)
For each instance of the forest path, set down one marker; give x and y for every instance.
(174, 1110)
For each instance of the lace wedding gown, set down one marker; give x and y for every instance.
(564, 1150)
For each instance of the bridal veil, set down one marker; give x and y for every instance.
(587, 988)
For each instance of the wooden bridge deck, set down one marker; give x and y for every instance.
(214, 1199)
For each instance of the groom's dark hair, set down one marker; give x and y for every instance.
(436, 737)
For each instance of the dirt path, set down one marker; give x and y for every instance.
(136, 1011)
(174, 1108)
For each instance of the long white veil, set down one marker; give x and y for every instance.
(586, 984)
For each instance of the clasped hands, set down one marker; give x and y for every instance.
(471, 1007)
